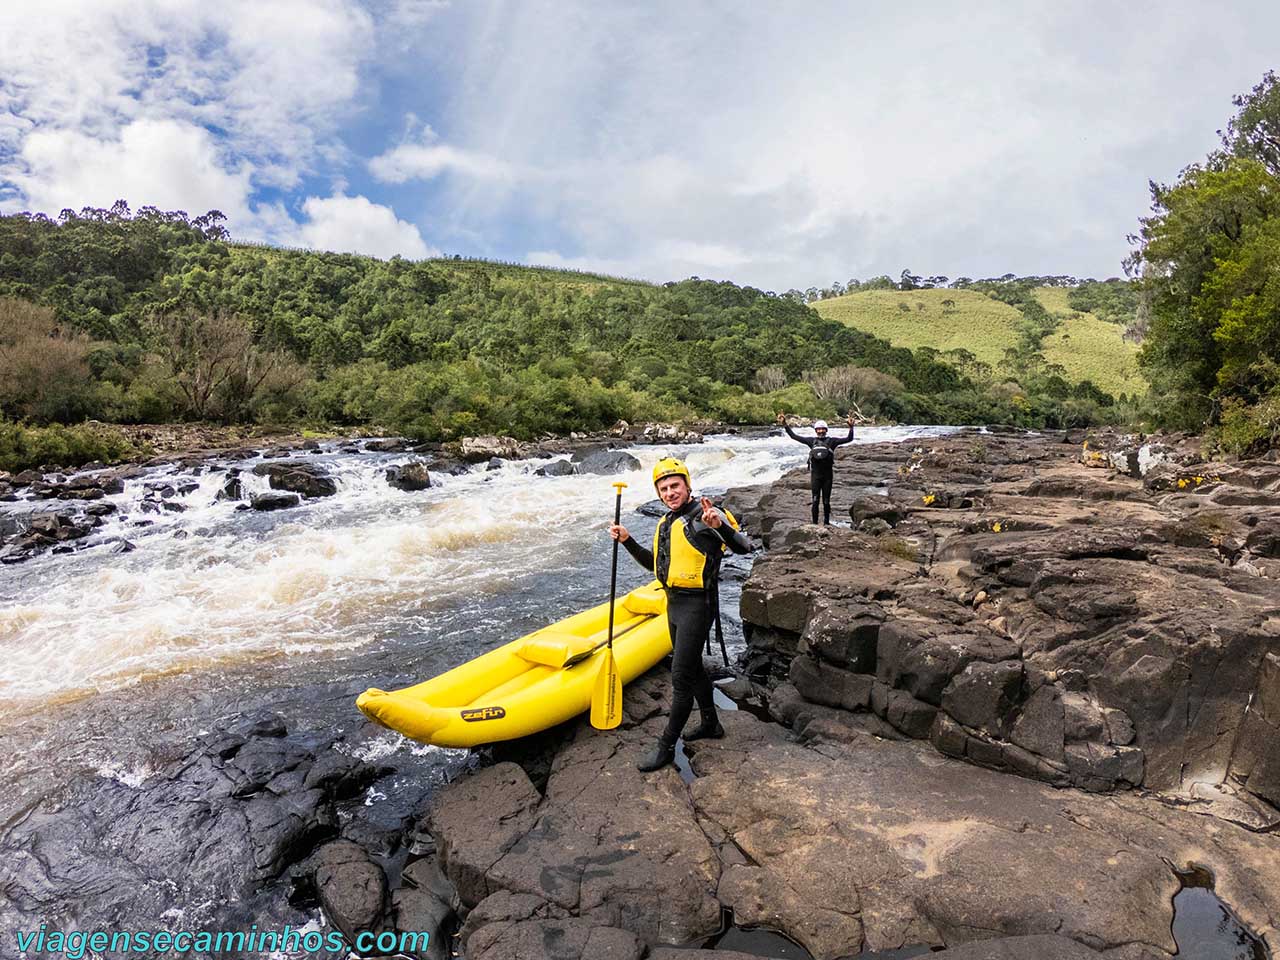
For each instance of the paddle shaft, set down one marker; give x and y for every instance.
(613, 573)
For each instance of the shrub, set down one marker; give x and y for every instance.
(44, 366)
(23, 447)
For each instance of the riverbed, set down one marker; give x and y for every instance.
(114, 662)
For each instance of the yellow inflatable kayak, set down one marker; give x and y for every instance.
(525, 686)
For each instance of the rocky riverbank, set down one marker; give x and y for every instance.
(1028, 694)
(1033, 682)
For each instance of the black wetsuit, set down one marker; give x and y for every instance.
(690, 611)
(822, 464)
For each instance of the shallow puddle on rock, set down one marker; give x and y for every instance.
(1204, 927)
(759, 943)
(682, 759)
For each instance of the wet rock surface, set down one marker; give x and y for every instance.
(297, 476)
(1035, 614)
(864, 844)
(1011, 698)
(1005, 713)
(219, 825)
(409, 477)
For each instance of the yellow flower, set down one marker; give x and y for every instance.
(995, 527)
(1182, 482)
(928, 499)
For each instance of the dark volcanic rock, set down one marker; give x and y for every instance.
(299, 477)
(607, 462)
(845, 844)
(215, 827)
(409, 476)
(351, 887)
(388, 445)
(557, 468)
(274, 501)
(232, 489)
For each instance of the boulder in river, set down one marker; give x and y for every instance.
(409, 476)
(608, 462)
(274, 501)
(388, 445)
(300, 477)
(557, 468)
(479, 449)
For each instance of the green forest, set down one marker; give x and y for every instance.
(122, 316)
(151, 316)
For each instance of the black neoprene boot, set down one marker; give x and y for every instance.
(708, 729)
(663, 754)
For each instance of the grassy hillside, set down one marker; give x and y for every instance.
(976, 323)
(1087, 347)
(1091, 348)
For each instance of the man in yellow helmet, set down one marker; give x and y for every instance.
(687, 546)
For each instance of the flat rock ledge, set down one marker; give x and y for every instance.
(1017, 607)
(863, 844)
(1027, 683)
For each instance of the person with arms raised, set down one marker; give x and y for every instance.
(822, 461)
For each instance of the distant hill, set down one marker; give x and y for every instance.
(1086, 346)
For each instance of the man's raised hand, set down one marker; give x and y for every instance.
(710, 515)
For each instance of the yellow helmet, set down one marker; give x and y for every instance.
(671, 467)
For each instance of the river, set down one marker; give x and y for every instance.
(112, 662)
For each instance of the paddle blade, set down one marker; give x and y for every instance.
(606, 695)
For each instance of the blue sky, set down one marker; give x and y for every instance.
(773, 144)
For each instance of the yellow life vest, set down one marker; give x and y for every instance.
(688, 564)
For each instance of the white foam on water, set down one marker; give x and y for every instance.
(324, 578)
(131, 776)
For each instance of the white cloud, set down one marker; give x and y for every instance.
(425, 161)
(357, 225)
(194, 106)
(273, 78)
(163, 163)
(748, 142)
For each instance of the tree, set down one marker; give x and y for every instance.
(851, 385)
(1205, 258)
(44, 365)
(768, 379)
(1254, 132)
(214, 364)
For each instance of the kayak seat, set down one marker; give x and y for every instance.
(553, 649)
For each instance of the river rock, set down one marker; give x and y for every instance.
(608, 462)
(615, 851)
(845, 846)
(294, 476)
(274, 501)
(556, 468)
(215, 826)
(232, 489)
(481, 449)
(351, 887)
(388, 445)
(410, 477)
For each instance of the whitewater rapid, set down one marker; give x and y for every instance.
(213, 586)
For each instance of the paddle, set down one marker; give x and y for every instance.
(606, 695)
